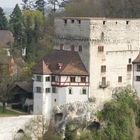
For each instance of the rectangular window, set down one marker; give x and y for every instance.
(70, 91)
(129, 60)
(80, 48)
(47, 90)
(65, 21)
(84, 91)
(83, 79)
(100, 48)
(103, 81)
(61, 46)
(38, 78)
(72, 21)
(53, 78)
(127, 22)
(72, 79)
(137, 78)
(54, 90)
(38, 89)
(119, 79)
(138, 67)
(72, 48)
(103, 68)
(47, 79)
(79, 21)
(129, 67)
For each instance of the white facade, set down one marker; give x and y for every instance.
(57, 92)
(120, 40)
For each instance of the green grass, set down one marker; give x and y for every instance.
(9, 113)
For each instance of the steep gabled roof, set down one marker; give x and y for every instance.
(41, 68)
(137, 60)
(69, 61)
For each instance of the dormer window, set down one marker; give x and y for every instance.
(59, 65)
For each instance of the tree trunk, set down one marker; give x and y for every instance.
(3, 108)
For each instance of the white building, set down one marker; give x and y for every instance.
(107, 48)
(60, 78)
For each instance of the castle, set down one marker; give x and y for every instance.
(91, 58)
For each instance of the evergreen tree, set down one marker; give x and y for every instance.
(16, 25)
(40, 5)
(3, 20)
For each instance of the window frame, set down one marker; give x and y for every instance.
(83, 79)
(72, 48)
(100, 49)
(80, 48)
(84, 91)
(138, 78)
(47, 79)
(70, 91)
(38, 78)
(137, 67)
(54, 90)
(53, 78)
(103, 68)
(38, 90)
(72, 79)
(129, 67)
(119, 79)
(47, 90)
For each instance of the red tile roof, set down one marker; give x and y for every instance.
(61, 62)
(137, 60)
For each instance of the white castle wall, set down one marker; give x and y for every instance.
(121, 41)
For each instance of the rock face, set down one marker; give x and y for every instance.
(82, 114)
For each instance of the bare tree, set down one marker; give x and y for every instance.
(37, 127)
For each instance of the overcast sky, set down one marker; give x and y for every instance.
(9, 3)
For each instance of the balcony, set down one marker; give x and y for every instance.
(104, 84)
